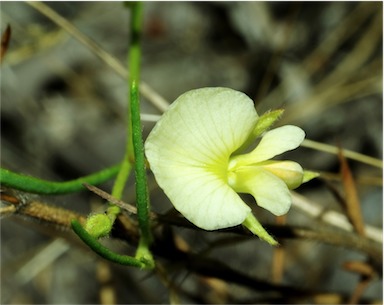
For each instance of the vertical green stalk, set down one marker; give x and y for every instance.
(118, 187)
(134, 67)
(101, 224)
(142, 195)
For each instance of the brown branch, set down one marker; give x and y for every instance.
(126, 230)
(165, 247)
(27, 205)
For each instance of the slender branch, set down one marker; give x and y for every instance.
(27, 205)
(103, 251)
(333, 237)
(156, 99)
(33, 208)
(125, 206)
(39, 186)
(193, 262)
(142, 194)
(337, 219)
(347, 153)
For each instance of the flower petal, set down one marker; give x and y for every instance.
(270, 192)
(277, 141)
(204, 199)
(202, 126)
(189, 148)
(273, 143)
(290, 172)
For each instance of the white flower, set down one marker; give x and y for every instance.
(193, 152)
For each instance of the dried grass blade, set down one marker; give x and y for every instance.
(131, 209)
(5, 39)
(352, 202)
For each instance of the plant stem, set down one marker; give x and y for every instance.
(142, 196)
(118, 187)
(134, 66)
(39, 186)
(104, 252)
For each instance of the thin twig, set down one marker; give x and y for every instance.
(156, 99)
(330, 237)
(125, 206)
(29, 206)
(333, 218)
(347, 153)
(62, 217)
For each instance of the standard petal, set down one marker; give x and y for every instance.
(201, 127)
(273, 143)
(189, 148)
(270, 192)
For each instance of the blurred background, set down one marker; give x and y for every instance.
(63, 116)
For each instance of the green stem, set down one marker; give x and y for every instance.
(39, 186)
(104, 252)
(129, 157)
(142, 195)
(134, 66)
(134, 151)
(118, 188)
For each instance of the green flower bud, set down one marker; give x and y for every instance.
(98, 225)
